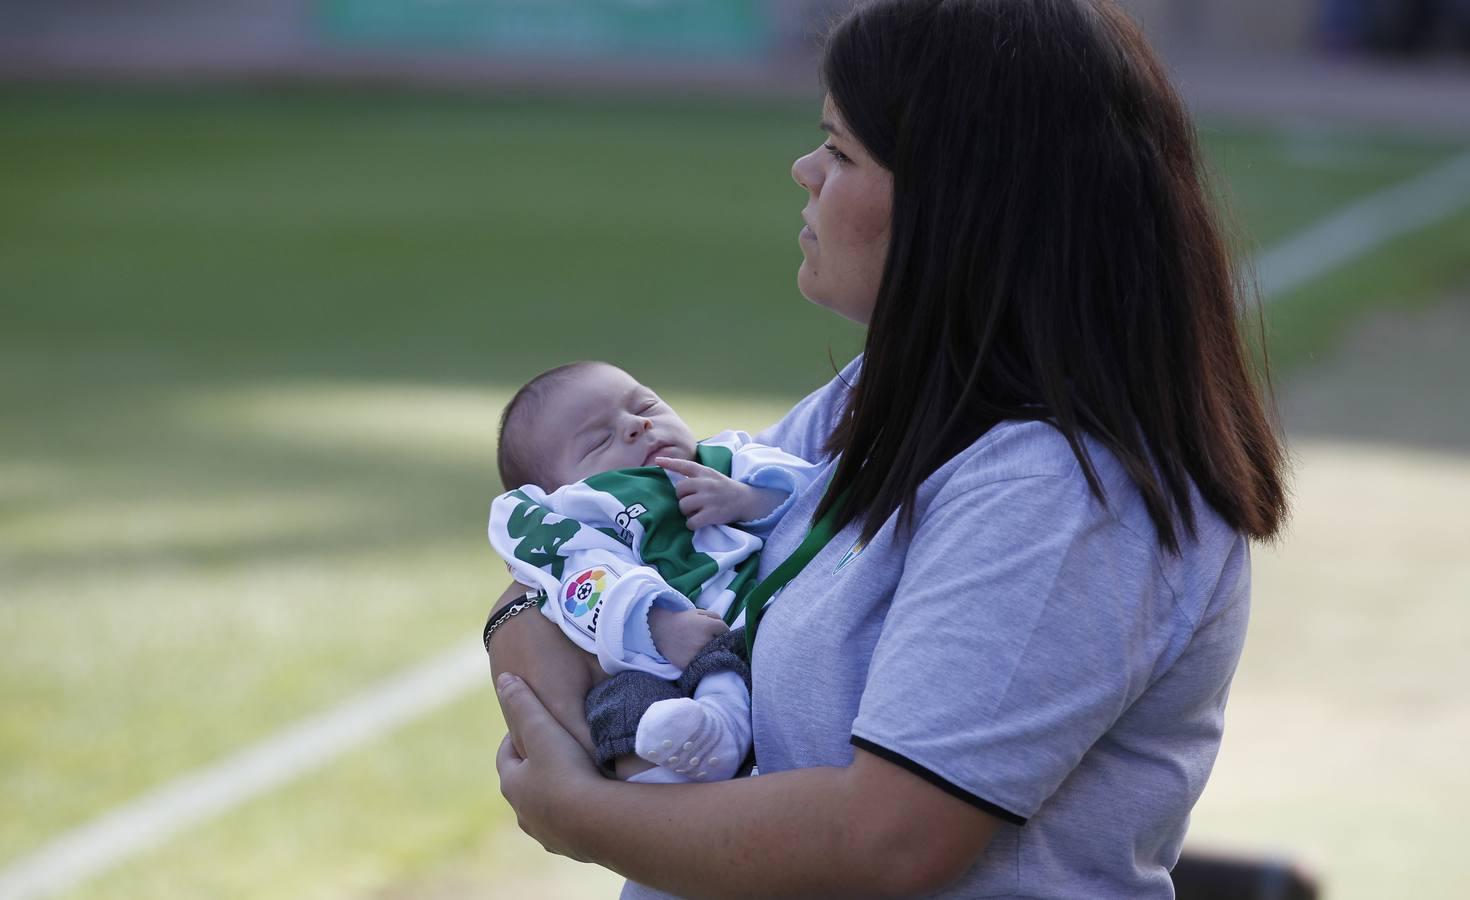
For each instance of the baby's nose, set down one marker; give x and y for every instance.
(638, 427)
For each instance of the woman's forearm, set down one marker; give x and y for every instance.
(804, 833)
(559, 671)
(759, 842)
(871, 828)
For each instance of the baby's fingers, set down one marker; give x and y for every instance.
(686, 467)
(705, 516)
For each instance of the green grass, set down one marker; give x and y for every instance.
(253, 348)
(1276, 184)
(433, 239)
(1403, 275)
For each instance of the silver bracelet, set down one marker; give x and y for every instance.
(532, 600)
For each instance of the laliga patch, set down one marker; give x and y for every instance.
(581, 597)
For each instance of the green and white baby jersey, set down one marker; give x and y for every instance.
(608, 549)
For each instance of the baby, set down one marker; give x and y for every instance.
(623, 527)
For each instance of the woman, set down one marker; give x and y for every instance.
(1006, 673)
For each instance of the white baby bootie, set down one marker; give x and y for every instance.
(705, 738)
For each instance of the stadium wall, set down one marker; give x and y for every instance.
(764, 43)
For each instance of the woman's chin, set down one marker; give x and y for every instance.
(855, 313)
(825, 303)
(804, 283)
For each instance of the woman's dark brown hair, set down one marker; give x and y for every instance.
(1054, 255)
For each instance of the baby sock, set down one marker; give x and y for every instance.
(706, 737)
(658, 775)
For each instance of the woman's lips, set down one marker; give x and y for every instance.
(807, 234)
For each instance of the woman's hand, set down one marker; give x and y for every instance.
(544, 772)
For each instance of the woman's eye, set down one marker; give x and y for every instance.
(836, 154)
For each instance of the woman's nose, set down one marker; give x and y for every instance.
(804, 172)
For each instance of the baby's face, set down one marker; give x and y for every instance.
(603, 420)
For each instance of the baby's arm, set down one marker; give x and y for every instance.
(600, 599)
(762, 484)
(707, 497)
(680, 634)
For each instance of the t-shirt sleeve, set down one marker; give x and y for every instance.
(1026, 621)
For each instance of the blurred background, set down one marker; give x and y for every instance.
(270, 268)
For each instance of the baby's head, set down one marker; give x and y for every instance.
(581, 419)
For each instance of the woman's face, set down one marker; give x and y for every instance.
(848, 210)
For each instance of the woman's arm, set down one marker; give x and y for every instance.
(561, 672)
(870, 829)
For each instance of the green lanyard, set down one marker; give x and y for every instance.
(755, 602)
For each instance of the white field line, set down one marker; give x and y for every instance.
(198, 796)
(1363, 226)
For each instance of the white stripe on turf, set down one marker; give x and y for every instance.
(1363, 226)
(198, 796)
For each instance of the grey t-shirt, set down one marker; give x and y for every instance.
(1026, 649)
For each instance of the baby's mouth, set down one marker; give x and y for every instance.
(656, 452)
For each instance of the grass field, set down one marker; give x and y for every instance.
(252, 348)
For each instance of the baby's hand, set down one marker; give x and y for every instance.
(708, 498)
(679, 635)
